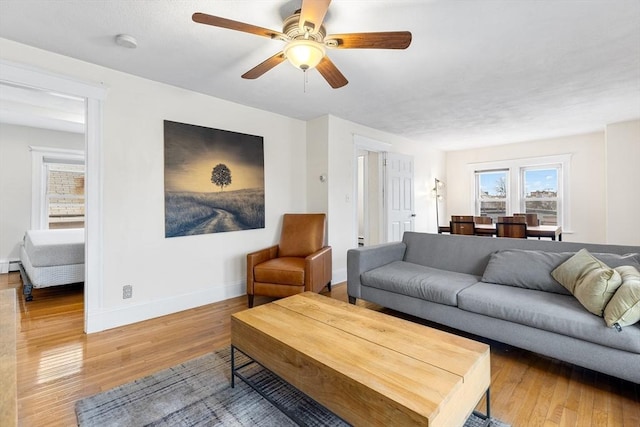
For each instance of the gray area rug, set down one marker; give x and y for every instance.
(198, 393)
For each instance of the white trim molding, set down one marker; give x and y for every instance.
(369, 144)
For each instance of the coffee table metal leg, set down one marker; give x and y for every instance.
(235, 369)
(233, 366)
(235, 372)
(486, 416)
(489, 403)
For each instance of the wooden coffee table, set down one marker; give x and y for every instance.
(366, 367)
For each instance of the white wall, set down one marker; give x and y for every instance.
(623, 182)
(15, 179)
(587, 181)
(168, 275)
(317, 165)
(205, 261)
(341, 203)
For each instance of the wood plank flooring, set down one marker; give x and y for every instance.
(8, 362)
(59, 364)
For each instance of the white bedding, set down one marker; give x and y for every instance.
(42, 277)
(53, 257)
(55, 247)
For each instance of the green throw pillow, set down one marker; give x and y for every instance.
(624, 307)
(589, 280)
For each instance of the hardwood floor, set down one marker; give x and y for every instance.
(59, 364)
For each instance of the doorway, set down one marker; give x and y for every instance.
(21, 76)
(369, 192)
(384, 191)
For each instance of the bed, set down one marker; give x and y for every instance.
(51, 258)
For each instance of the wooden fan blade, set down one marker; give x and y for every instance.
(383, 40)
(216, 21)
(312, 14)
(331, 74)
(265, 66)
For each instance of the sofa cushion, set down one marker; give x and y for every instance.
(615, 260)
(532, 269)
(548, 311)
(525, 269)
(418, 281)
(624, 307)
(590, 280)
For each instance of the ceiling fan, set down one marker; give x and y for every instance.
(307, 42)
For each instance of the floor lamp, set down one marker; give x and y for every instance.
(437, 193)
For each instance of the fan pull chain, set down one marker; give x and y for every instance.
(306, 80)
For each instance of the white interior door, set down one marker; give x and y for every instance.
(399, 195)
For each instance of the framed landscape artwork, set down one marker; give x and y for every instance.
(213, 180)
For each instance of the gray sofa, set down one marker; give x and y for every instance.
(501, 289)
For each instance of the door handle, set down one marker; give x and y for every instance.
(413, 215)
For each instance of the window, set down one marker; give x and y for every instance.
(491, 193)
(64, 197)
(540, 193)
(537, 185)
(57, 188)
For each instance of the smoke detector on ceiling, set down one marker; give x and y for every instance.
(125, 40)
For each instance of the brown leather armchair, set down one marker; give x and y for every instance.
(300, 262)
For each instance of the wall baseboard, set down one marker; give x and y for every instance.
(125, 315)
(339, 276)
(133, 313)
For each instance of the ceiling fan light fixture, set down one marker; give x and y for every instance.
(304, 53)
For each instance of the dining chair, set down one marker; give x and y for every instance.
(462, 227)
(511, 229)
(462, 218)
(511, 219)
(530, 218)
(483, 220)
(300, 262)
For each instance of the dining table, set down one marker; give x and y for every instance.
(553, 232)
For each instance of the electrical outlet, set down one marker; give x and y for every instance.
(127, 291)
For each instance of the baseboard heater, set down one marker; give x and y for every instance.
(7, 266)
(14, 265)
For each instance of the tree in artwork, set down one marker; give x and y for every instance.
(221, 176)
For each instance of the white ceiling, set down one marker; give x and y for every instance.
(478, 72)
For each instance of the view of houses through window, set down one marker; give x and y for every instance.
(540, 193)
(535, 190)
